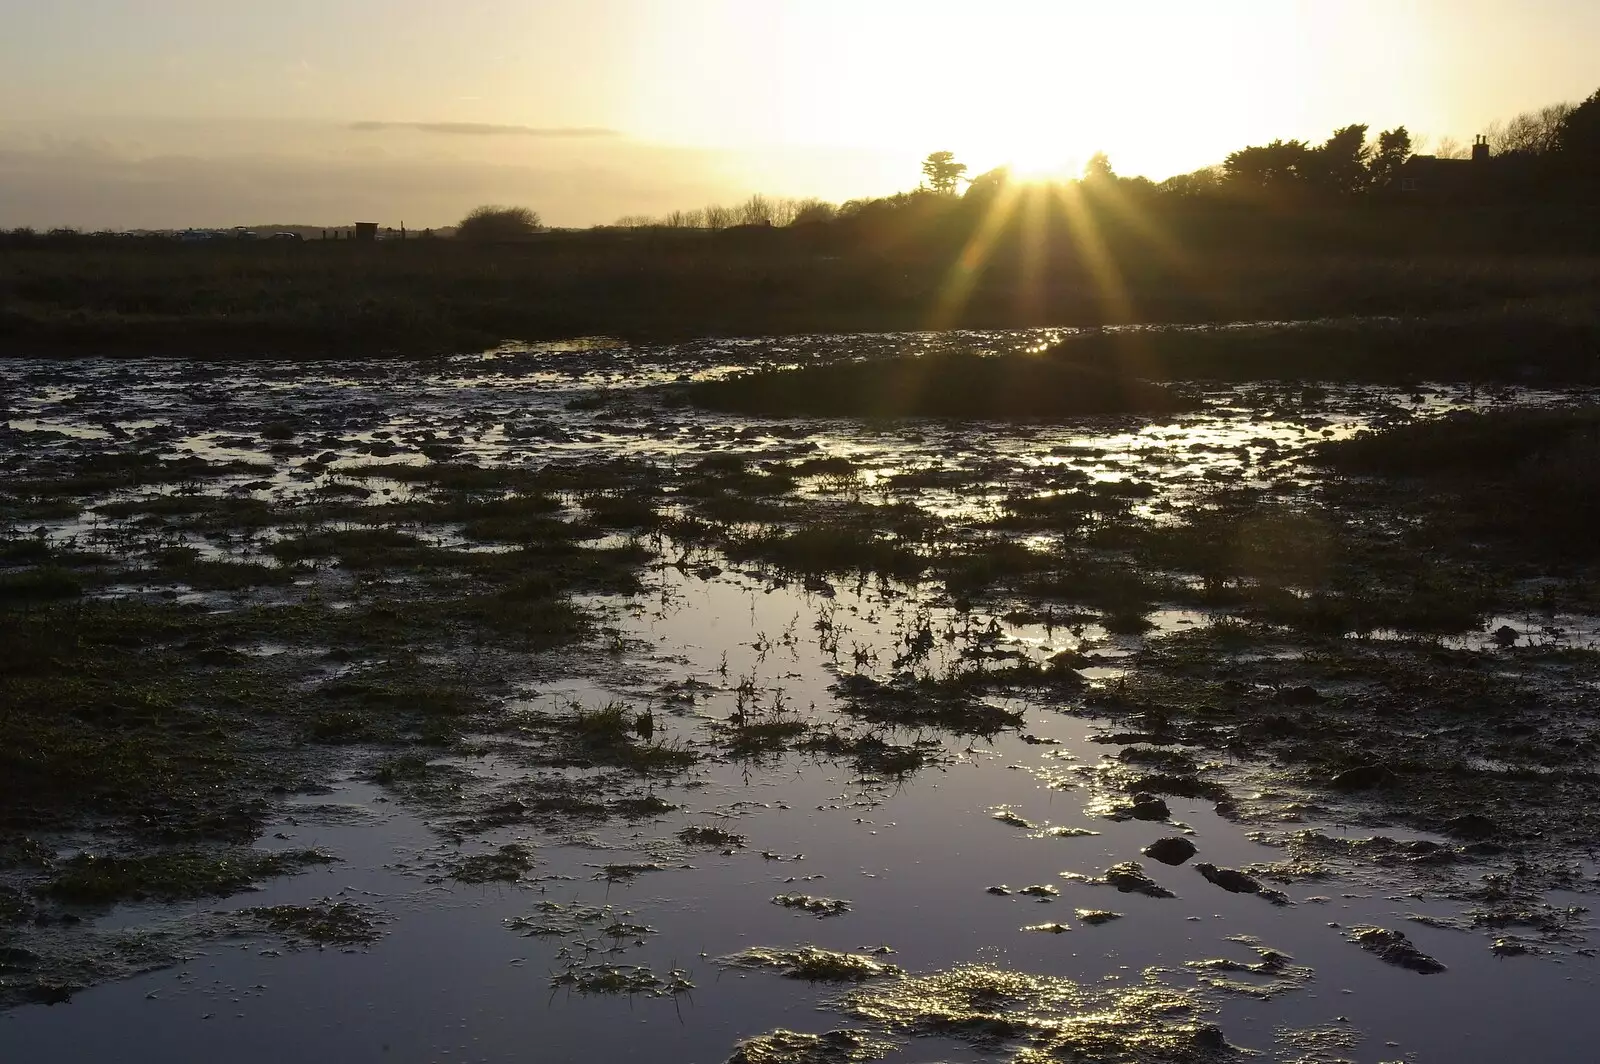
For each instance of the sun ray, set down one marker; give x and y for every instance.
(964, 273)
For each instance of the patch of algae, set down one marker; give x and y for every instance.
(812, 964)
(1044, 1018)
(1276, 971)
(793, 1047)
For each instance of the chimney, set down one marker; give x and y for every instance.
(1480, 149)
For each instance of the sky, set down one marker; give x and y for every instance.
(174, 113)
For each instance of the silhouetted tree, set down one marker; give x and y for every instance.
(813, 212)
(1578, 140)
(1275, 167)
(1339, 166)
(987, 185)
(941, 173)
(1098, 168)
(1202, 182)
(490, 224)
(1388, 156)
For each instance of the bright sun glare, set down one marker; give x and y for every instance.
(1039, 86)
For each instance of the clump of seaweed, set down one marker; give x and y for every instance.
(505, 865)
(816, 906)
(554, 919)
(1094, 917)
(795, 1047)
(1278, 968)
(1052, 1018)
(629, 979)
(1127, 876)
(623, 871)
(340, 923)
(1393, 947)
(710, 835)
(812, 964)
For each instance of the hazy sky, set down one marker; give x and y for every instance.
(213, 112)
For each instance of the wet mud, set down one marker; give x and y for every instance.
(517, 700)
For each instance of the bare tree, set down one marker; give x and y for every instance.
(757, 210)
(719, 217)
(1529, 133)
(1451, 148)
(784, 210)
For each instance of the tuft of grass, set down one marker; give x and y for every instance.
(709, 835)
(505, 865)
(335, 923)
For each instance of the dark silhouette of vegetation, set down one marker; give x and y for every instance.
(1355, 227)
(941, 173)
(1387, 158)
(491, 224)
(1576, 142)
(1098, 168)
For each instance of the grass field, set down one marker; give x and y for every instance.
(428, 297)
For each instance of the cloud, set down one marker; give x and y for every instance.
(175, 191)
(485, 129)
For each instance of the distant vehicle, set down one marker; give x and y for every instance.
(296, 237)
(241, 233)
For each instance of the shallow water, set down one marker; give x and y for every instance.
(450, 981)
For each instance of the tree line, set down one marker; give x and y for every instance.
(1553, 151)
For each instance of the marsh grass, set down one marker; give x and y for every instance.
(1552, 339)
(1524, 482)
(89, 879)
(613, 735)
(341, 923)
(824, 549)
(710, 835)
(504, 865)
(343, 299)
(184, 565)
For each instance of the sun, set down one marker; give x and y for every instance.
(1041, 163)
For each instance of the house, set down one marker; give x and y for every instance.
(1432, 178)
